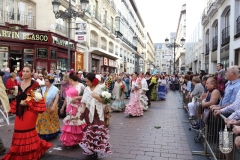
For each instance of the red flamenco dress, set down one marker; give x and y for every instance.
(26, 144)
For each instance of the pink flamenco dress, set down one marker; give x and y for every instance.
(72, 129)
(134, 107)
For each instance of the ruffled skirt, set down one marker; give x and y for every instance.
(95, 140)
(72, 129)
(134, 107)
(26, 145)
(118, 105)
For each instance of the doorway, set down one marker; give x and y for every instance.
(15, 58)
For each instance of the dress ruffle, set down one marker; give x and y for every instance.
(27, 146)
(134, 107)
(49, 136)
(118, 105)
(72, 135)
(96, 141)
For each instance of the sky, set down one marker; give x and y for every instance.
(161, 16)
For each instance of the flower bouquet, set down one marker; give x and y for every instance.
(36, 95)
(122, 89)
(106, 96)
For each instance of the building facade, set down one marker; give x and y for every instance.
(163, 58)
(149, 54)
(28, 37)
(221, 32)
(181, 33)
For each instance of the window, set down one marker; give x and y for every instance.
(227, 19)
(10, 9)
(216, 29)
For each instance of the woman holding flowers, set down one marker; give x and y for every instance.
(134, 107)
(119, 91)
(26, 144)
(72, 125)
(48, 125)
(95, 141)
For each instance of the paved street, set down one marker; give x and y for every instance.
(158, 135)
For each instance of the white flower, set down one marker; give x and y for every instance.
(38, 96)
(108, 95)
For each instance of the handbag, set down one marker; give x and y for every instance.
(206, 114)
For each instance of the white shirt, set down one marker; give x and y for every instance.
(41, 82)
(144, 83)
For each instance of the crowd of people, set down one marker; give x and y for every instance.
(42, 99)
(218, 93)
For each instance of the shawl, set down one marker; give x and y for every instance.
(4, 97)
(52, 92)
(92, 103)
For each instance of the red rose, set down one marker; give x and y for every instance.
(95, 81)
(122, 87)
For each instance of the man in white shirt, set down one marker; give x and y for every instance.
(40, 80)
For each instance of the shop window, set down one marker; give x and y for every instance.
(62, 64)
(28, 59)
(41, 64)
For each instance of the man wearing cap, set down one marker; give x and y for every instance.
(80, 76)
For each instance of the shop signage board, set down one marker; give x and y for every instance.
(81, 32)
(62, 42)
(23, 35)
(105, 61)
(42, 53)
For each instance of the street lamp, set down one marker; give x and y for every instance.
(69, 14)
(174, 45)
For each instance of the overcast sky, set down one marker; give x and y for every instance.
(161, 16)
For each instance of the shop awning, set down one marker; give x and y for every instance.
(103, 53)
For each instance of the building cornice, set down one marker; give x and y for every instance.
(133, 3)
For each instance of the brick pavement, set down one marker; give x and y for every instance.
(133, 137)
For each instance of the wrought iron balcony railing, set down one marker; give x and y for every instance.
(215, 43)
(18, 18)
(61, 28)
(207, 48)
(225, 36)
(93, 43)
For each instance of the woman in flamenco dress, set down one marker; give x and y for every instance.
(26, 144)
(48, 124)
(134, 107)
(72, 125)
(95, 141)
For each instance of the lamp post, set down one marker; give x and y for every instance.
(69, 14)
(174, 45)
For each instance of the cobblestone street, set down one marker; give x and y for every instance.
(158, 135)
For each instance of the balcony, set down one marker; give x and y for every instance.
(116, 53)
(126, 42)
(205, 18)
(103, 47)
(214, 43)
(225, 36)
(237, 28)
(96, 19)
(219, 2)
(93, 43)
(60, 29)
(17, 18)
(113, 5)
(207, 49)
(120, 55)
(128, 59)
(106, 25)
(212, 9)
(110, 50)
(113, 34)
(125, 59)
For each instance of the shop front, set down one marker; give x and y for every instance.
(39, 49)
(79, 61)
(102, 61)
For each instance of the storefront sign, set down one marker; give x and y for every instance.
(105, 61)
(3, 49)
(53, 54)
(62, 42)
(23, 36)
(42, 53)
(94, 56)
(111, 63)
(28, 51)
(81, 32)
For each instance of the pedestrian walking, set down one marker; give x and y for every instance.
(95, 141)
(26, 144)
(48, 124)
(72, 124)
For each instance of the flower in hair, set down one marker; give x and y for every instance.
(72, 71)
(95, 81)
(51, 78)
